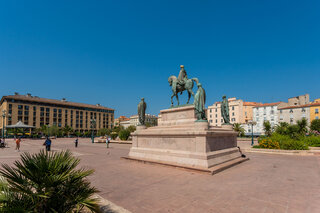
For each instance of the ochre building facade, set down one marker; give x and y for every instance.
(35, 111)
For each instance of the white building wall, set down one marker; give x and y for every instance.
(264, 113)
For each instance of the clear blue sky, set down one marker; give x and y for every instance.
(114, 52)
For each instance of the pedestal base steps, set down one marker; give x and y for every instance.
(181, 141)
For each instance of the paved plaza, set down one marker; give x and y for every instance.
(265, 183)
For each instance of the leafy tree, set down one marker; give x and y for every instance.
(124, 134)
(315, 125)
(52, 130)
(87, 133)
(46, 182)
(104, 131)
(267, 128)
(78, 134)
(238, 128)
(114, 135)
(302, 124)
(131, 128)
(117, 129)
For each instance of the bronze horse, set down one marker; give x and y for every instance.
(176, 88)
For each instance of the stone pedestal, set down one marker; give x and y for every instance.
(180, 140)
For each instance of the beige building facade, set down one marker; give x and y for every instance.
(151, 119)
(235, 111)
(35, 111)
(291, 114)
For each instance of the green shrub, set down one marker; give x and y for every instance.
(315, 125)
(312, 140)
(124, 134)
(268, 143)
(294, 145)
(114, 135)
(288, 143)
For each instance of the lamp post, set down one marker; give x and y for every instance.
(252, 123)
(93, 122)
(4, 115)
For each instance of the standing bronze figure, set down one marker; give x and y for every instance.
(142, 106)
(199, 103)
(225, 110)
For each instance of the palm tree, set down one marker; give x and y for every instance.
(281, 128)
(67, 130)
(238, 128)
(46, 182)
(267, 128)
(302, 124)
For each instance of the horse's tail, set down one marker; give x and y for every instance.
(195, 80)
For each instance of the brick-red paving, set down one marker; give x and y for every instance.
(265, 183)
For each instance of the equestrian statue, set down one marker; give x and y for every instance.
(181, 84)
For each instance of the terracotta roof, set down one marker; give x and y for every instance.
(269, 104)
(52, 101)
(251, 103)
(301, 106)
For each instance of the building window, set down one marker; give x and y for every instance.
(10, 106)
(303, 110)
(47, 109)
(42, 109)
(317, 117)
(280, 111)
(210, 110)
(26, 107)
(210, 121)
(291, 111)
(316, 111)
(216, 120)
(216, 115)
(232, 107)
(233, 114)
(20, 106)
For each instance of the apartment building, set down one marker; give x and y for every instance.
(35, 111)
(151, 119)
(266, 112)
(235, 111)
(239, 110)
(291, 114)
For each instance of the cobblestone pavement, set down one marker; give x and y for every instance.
(265, 183)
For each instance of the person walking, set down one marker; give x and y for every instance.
(107, 141)
(18, 140)
(48, 144)
(2, 143)
(76, 142)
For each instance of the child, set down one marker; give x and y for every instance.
(18, 140)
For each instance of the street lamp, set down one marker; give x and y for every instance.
(252, 123)
(93, 122)
(4, 115)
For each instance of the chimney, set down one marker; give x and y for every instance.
(16, 93)
(29, 95)
(63, 99)
(98, 105)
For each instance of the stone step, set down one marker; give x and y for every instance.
(219, 168)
